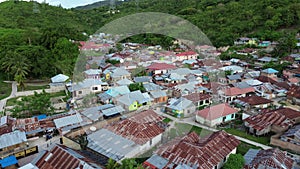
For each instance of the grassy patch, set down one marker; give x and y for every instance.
(262, 139)
(167, 120)
(244, 147)
(27, 87)
(197, 129)
(5, 89)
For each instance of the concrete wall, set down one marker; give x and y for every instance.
(70, 143)
(189, 111)
(155, 140)
(283, 144)
(278, 129)
(214, 122)
(160, 71)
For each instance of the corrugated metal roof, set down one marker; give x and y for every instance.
(59, 78)
(3, 120)
(63, 157)
(138, 96)
(158, 94)
(93, 71)
(68, 120)
(113, 110)
(194, 151)
(180, 104)
(110, 145)
(93, 113)
(12, 138)
(249, 156)
(158, 161)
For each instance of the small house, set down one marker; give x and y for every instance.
(216, 115)
(133, 100)
(180, 107)
(160, 68)
(269, 72)
(93, 74)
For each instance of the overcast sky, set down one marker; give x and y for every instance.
(66, 3)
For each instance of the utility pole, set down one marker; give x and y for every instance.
(137, 5)
(112, 6)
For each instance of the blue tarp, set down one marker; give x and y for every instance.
(8, 161)
(42, 116)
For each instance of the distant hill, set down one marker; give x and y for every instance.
(100, 4)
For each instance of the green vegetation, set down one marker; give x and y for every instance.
(261, 139)
(35, 87)
(223, 21)
(29, 106)
(5, 89)
(14, 101)
(151, 39)
(167, 120)
(136, 86)
(125, 164)
(244, 147)
(235, 161)
(113, 62)
(139, 71)
(277, 66)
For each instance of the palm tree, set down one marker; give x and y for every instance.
(7, 63)
(20, 80)
(21, 66)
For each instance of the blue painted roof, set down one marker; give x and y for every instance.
(8, 161)
(270, 71)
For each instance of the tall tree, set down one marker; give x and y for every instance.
(65, 54)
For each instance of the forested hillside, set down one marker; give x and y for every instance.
(34, 38)
(222, 20)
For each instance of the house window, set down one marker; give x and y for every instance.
(79, 92)
(232, 116)
(94, 88)
(224, 159)
(224, 118)
(216, 167)
(206, 101)
(150, 142)
(201, 102)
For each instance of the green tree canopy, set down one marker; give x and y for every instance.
(235, 161)
(37, 104)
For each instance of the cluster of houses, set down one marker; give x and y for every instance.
(181, 84)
